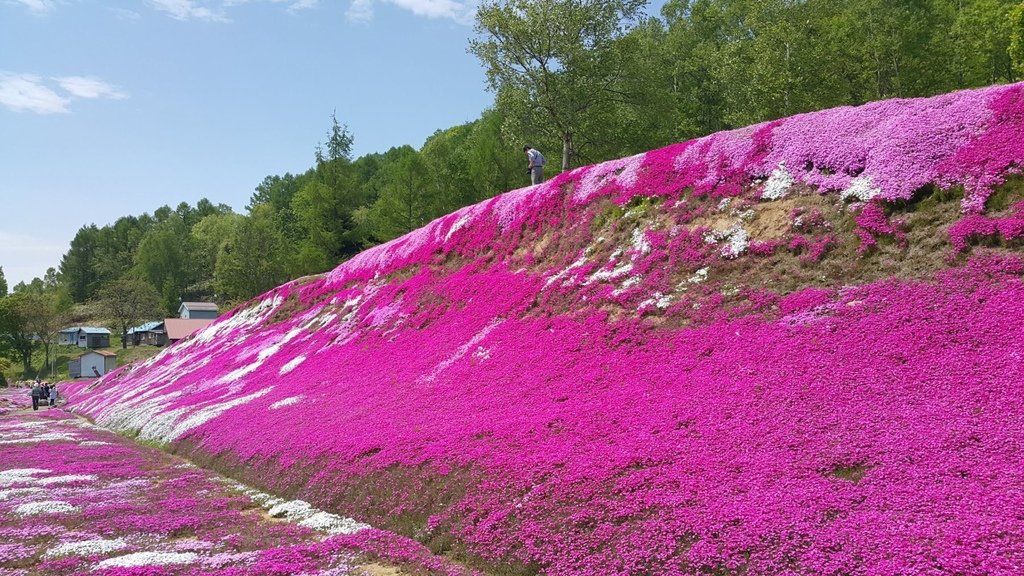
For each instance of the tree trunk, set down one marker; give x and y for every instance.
(566, 151)
(124, 339)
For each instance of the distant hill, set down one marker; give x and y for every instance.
(793, 348)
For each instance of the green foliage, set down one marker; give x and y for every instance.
(553, 64)
(251, 258)
(1016, 47)
(128, 301)
(3, 283)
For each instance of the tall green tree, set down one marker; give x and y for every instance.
(552, 63)
(165, 257)
(251, 259)
(403, 202)
(16, 338)
(42, 320)
(3, 283)
(326, 205)
(78, 266)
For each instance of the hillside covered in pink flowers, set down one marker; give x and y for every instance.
(794, 348)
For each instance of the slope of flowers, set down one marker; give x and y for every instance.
(556, 380)
(76, 499)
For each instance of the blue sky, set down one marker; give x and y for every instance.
(110, 109)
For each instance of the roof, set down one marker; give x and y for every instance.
(178, 328)
(198, 306)
(100, 352)
(93, 330)
(145, 327)
(70, 330)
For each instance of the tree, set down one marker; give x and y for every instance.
(3, 283)
(77, 267)
(127, 301)
(251, 259)
(164, 257)
(554, 59)
(325, 207)
(16, 340)
(403, 202)
(1016, 47)
(42, 320)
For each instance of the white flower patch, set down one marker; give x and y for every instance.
(736, 239)
(861, 188)
(723, 204)
(45, 507)
(658, 300)
(462, 221)
(778, 184)
(94, 443)
(20, 475)
(626, 285)
(66, 479)
(86, 548)
(149, 559)
(458, 354)
(482, 353)
(160, 425)
(204, 415)
(287, 402)
(291, 510)
(639, 242)
(699, 276)
(332, 524)
(18, 493)
(623, 171)
(37, 438)
(604, 274)
(291, 365)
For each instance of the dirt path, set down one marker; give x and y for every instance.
(76, 499)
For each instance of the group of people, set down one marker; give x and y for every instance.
(43, 393)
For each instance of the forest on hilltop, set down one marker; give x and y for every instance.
(581, 81)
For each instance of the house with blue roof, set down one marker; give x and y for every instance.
(84, 337)
(143, 333)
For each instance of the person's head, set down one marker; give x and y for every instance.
(526, 148)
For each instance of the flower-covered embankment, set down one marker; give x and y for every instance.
(770, 351)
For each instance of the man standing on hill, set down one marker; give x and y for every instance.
(536, 167)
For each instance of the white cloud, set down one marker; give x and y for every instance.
(27, 93)
(460, 11)
(298, 5)
(87, 87)
(360, 11)
(38, 6)
(125, 14)
(188, 10)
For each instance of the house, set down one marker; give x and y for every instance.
(155, 336)
(84, 337)
(198, 310)
(68, 336)
(137, 333)
(93, 364)
(178, 328)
